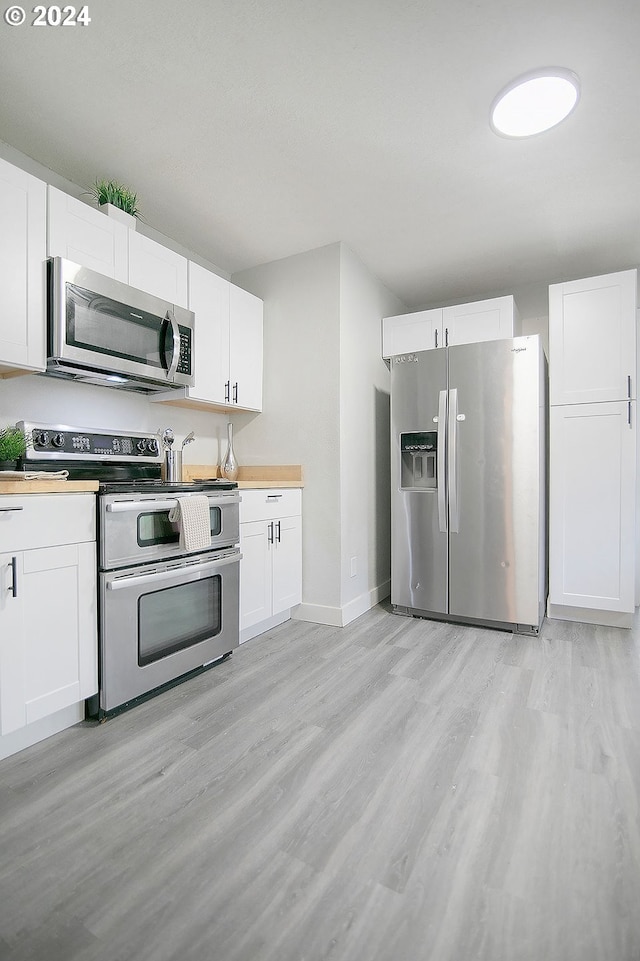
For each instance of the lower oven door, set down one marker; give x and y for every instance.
(159, 622)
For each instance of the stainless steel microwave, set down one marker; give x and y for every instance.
(101, 331)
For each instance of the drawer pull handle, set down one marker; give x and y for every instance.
(5, 510)
(274, 497)
(14, 576)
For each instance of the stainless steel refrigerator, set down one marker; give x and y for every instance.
(468, 483)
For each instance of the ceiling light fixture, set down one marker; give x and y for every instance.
(535, 102)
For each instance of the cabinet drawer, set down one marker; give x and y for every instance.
(29, 521)
(264, 505)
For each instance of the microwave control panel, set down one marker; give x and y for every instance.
(62, 442)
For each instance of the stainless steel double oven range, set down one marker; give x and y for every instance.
(163, 613)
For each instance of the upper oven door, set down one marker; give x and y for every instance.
(96, 322)
(135, 529)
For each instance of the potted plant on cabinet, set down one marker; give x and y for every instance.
(13, 444)
(116, 200)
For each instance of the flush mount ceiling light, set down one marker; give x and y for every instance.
(535, 102)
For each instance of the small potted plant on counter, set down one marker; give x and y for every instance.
(13, 444)
(116, 200)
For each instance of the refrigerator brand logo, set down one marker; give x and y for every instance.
(517, 350)
(407, 359)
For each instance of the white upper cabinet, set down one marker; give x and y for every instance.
(408, 333)
(89, 237)
(157, 270)
(209, 299)
(592, 339)
(22, 271)
(228, 346)
(493, 319)
(245, 349)
(86, 236)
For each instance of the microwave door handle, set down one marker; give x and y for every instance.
(121, 583)
(175, 357)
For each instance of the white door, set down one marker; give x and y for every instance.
(287, 563)
(157, 270)
(245, 348)
(484, 320)
(48, 654)
(22, 269)
(86, 236)
(408, 333)
(209, 299)
(255, 573)
(592, 506)
(592, 339)
(12, 636)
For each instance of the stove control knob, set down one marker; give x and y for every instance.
(41, 438)
(141, 445)
(58, 440)
(152, 445)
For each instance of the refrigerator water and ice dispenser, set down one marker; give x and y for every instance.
(418, 455)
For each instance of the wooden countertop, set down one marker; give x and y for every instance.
(47, 486)
(278, 475)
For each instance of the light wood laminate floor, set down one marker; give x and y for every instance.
(396, 790)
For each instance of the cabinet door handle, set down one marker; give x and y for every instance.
(270, 533)
(14, 576)
(629, 414)
(436, 332)
(446, 337)
(235, 393)
(278, 538)
(629, 386)
(5, 510)
(227, 390)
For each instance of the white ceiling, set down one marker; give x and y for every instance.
(255, 129)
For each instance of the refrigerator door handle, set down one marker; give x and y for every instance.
(452, 461)
(441, 466)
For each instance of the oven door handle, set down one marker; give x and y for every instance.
(120, 583)
(129, 507)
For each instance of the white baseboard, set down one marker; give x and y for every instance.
(587, 616)
(341, 616)
(318, 614)
(40, 730)
(248, 632)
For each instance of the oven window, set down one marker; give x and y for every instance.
(178, 617)
(156, 528)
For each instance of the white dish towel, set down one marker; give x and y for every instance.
(194, 522)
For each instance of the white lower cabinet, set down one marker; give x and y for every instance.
(592, 512)
(271, 566)
(48, 624)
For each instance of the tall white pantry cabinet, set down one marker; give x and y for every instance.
(593, 468)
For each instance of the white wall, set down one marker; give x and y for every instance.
(46, 399)
(326, 406)
(301, 419)
(364, 437)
